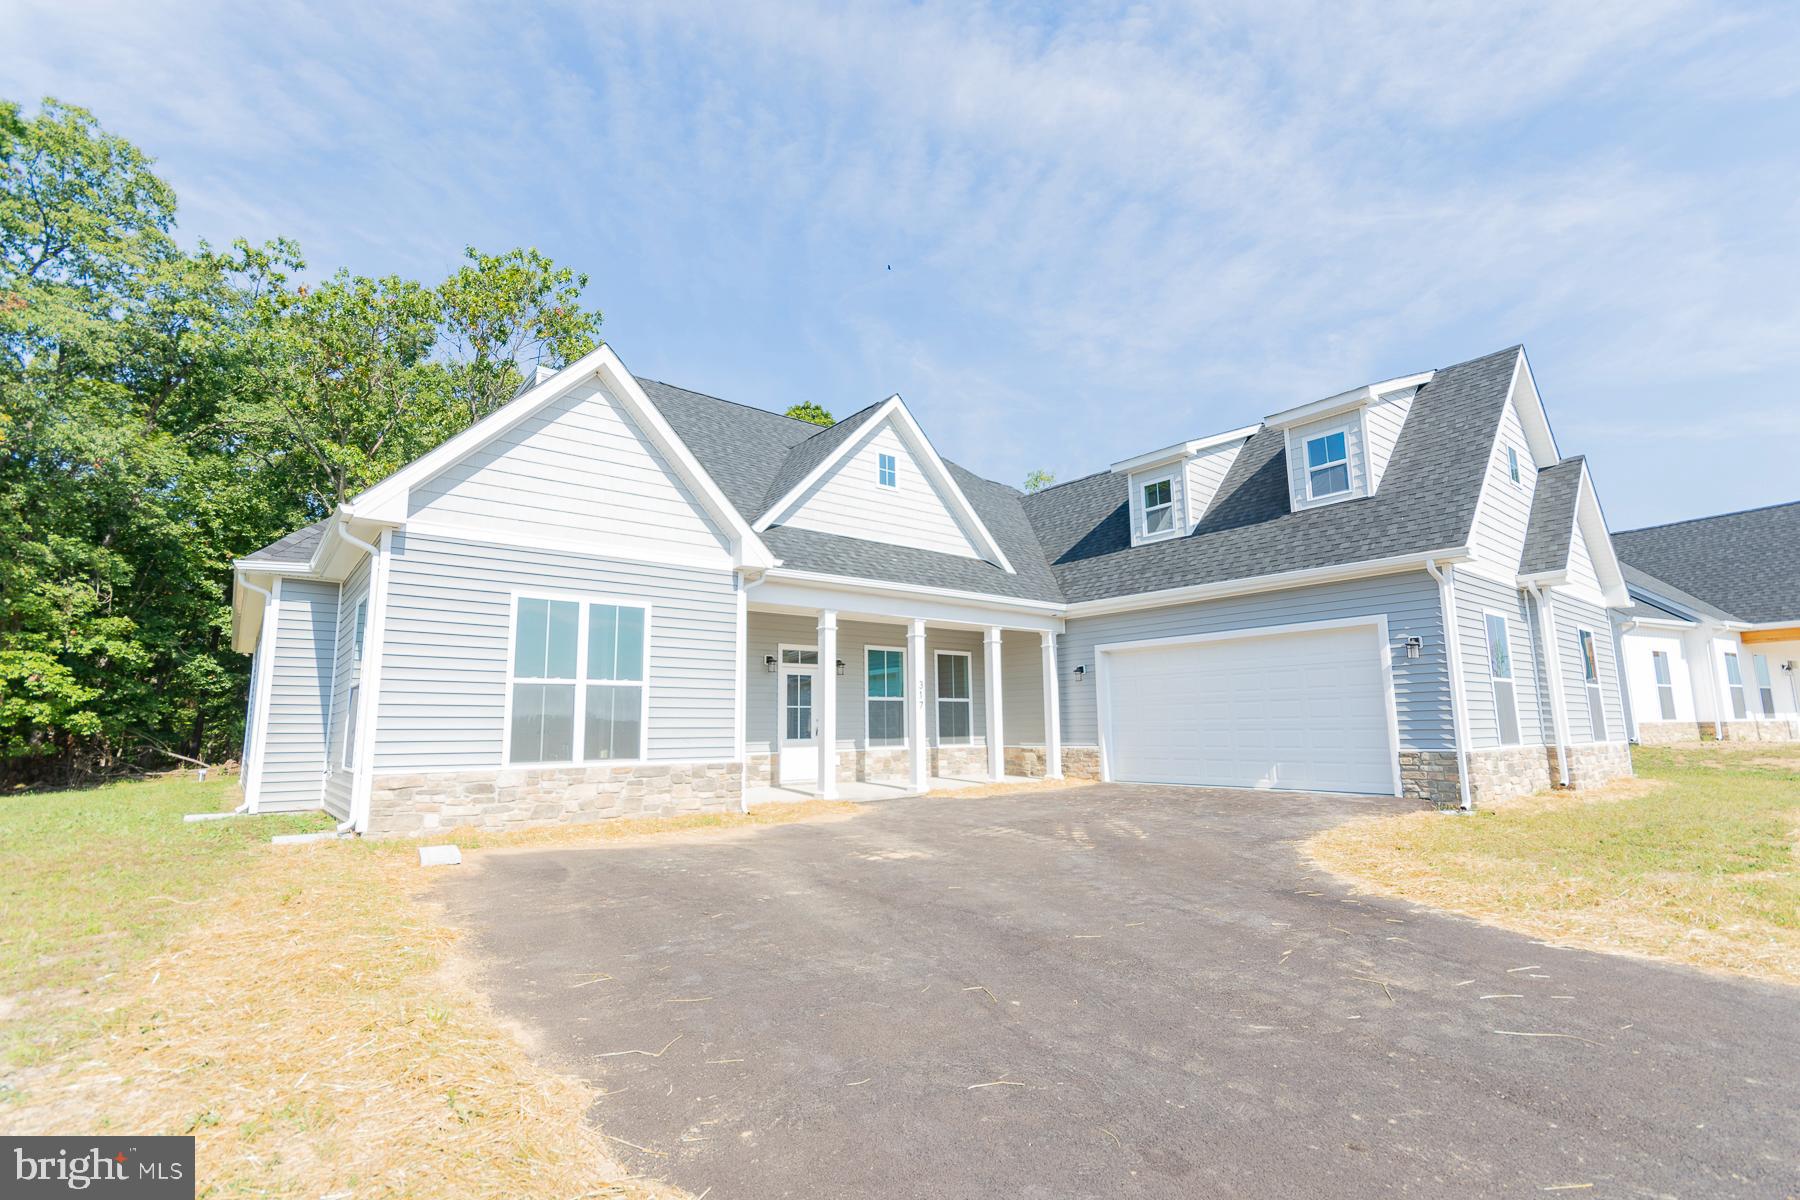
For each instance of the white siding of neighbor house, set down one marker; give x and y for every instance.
(1572, 615)
(1177, 498)
(579, 471)
(1475, 598)
(1205, 472)
(1384, 421)
(338, 778)
(448, 629)
(1504, 511)
(1410, 601)
(850, 500)
(1640, 675)
(299, 697)
(1354, 449)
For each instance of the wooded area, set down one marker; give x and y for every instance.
(164, 410)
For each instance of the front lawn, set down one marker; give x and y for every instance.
(1694, 861)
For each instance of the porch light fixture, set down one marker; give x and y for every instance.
(769, 663)
(1080, 674)
(840, 663)
(1414, 646)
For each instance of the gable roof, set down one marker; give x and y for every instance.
(809, 455)
(1669, 598)
(1426, 503)
(1743, 565)
(296, 547)
(1551, 531)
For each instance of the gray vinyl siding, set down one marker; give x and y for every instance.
(338, 778)
(1504, 511)
(1384, 422)
(579, 469)
(299, 696)
(1205, 472)
(444, 659)
(1176, 474)
(1476, 596)
(1021, 688)
(1573, 615)
(851, 501)
(1421, 686)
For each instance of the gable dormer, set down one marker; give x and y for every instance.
(1338, 448)
(1172, 488)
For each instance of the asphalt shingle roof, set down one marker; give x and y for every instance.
(297, 546)
(1552, 525)
(1426, 502)
(1746, 564)
(1647, 588)
(808, 454)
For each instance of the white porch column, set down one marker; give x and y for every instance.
(996, 732)
(916, 725)
(1052, 710)
(826, 724)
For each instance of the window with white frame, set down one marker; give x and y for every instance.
(886, 471)
(1159, 507)
(1512, 464)
(577, 688)
(1327, 465)
(1590, 675)
(1734, 683)
(955, 704)
(1500, 669)
(358, 628)
(1765, 686)
(885, 678)
(1665, 683)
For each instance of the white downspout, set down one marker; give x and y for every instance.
(268, 602)
(1559, 721)
(1631, 722)
(1720, 701)
(1459, 719)
(351, 824)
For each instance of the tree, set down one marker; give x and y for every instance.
(1038, 480)
(506, 314)
(811, 412)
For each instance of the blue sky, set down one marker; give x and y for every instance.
(1064, 234)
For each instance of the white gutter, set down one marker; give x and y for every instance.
(261, 729)
(1559, 720)
(1631, 724)
(1459, 718)
(358, 821)
(1719, 699)
(1266, 583)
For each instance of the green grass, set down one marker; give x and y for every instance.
(95, 880)
(1700, 866)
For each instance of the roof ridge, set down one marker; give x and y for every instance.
(1736, 512)
(767, 412)
(1051, 487)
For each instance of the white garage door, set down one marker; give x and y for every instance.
(1305, 711)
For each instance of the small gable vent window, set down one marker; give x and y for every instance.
(1512, 464)
(1590, 675)
(1159, 507)
(885, 473)
(1327, 465)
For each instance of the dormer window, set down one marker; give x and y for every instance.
(1159, 507)
(1327, 465)
(885, 473)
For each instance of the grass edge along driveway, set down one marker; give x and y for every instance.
(1693, 862)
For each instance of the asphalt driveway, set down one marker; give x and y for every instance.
(1112, 991)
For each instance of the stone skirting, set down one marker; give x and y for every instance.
(1594, 763)
(1430, 775)
(523, 797)
(1756, 729)
(1027, 762)
(1670, 733)
(1081, 762)
(1778, 729)
(1503, 772)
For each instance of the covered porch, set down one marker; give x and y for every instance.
(860, 696)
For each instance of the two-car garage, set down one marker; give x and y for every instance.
(1296, 708)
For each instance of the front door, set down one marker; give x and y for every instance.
(797, 719)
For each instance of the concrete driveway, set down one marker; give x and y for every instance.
(1112, 991)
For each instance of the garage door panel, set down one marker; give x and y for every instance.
(1303, 711)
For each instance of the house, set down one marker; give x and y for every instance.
(1711, 640)
(615, 596)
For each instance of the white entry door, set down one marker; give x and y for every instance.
(796, 715)
(1307, 710)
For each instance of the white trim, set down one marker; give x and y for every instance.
(868, 739)
(1384, 656)
(1261, 583)
(1307, 468)
(1459, 701)
(1181, 450)
(374, 647)
(825, 693)
(740, 691)
(386, 501)
(995, 732)
(1143, 534)
(1513, 678)
(1052, 697)
(1594, 687)
(580, 681)
(1559, 716)
(886, 463)
(595, 546)
(918, 760)
(894, 408)
(265, 687)
(938, 697)
(881, 587)
(1354, 398)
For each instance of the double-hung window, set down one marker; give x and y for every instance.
(1734, 682)
(1327, 465)
(955, 705)
(886, 472)
(1665, 683)
(354, 695)
(1590, 675)
(577, 688)
(1159, 507)
(1765, 687)
(1500, 668)
(886, 695)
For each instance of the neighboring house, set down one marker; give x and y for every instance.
(1711, 642)
(613, 596)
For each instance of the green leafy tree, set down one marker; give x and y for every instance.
(1038, 480)
(505, 315)
(814, 413)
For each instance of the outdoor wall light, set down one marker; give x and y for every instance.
(769, 663)
(1414, 647)
(1080, 674)
(840, 663)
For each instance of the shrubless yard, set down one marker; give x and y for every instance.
(303, 1010)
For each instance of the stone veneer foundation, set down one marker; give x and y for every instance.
(1503, 772)
(523, 797)
(1430, 775)
(1668, 733)
(1594, 763)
